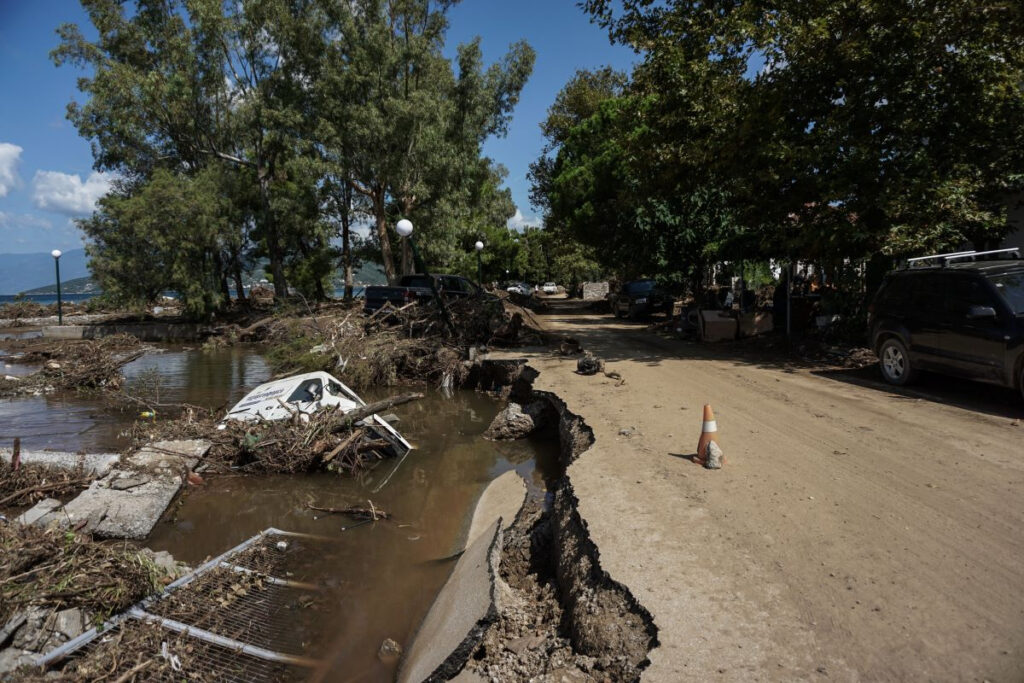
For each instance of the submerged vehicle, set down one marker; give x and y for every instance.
(306, 394)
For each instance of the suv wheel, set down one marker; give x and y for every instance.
(894, 361)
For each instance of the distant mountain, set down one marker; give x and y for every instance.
(79, 285)
(20, 272)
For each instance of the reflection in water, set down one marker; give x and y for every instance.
(72, 421)
(384, 576)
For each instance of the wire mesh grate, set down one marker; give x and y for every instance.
(239, 617)
(133, 644)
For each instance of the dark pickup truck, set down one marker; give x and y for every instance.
(416, 288)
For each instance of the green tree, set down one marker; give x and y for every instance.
(401, 123)
(163, 234)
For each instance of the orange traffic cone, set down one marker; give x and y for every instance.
(708, 433)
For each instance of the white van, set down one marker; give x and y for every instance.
(306, 394)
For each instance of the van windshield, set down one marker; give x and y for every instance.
(1011, 286)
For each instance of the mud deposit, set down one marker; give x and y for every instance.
(561, 616)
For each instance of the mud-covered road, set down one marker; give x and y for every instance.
(854, 533)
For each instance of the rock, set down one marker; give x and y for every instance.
(12, 658)
(32, 634)
(627, 431)
(70, 622)
(589, 365)
(713, 456)
(39, 511)
(517, 421)
(389, 650)
(125, 483)
(52, 365)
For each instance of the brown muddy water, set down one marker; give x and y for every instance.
(379, 578)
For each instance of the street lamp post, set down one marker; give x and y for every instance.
(479, 263)
(56, 262)
(404, 228)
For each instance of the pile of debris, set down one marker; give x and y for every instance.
(77, 364)
(411, 343)
(56, 584)
(24, 484)
(327, 440)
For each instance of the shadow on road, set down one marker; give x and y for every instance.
(603, 334)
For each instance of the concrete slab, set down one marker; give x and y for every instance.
(128, 502)
(114, 513)
(169, 455)
(502, 499)
(93, 464)
(459, 615)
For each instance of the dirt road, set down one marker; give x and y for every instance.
(854, 533)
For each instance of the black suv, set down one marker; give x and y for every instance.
(959, 318)
(639, 298)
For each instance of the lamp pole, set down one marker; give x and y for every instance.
(479, 263)
(404, 229)
(56, 262)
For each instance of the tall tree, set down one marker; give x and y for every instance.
(405, 125)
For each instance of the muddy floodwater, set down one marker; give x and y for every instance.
(379, 579)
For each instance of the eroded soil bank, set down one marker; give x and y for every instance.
(560, 615)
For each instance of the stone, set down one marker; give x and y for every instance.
(38, 511)
(170, 454)
(125, 483)
(70, 623)
(31, 635)
(12, 658)
(515, 422)
(713, 456)
(389, 650)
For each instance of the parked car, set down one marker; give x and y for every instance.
(416, 288)
(639, 298)
(549, 288)
(955, 314)
(519, 288)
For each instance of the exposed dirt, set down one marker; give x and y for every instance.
(855, 532)
(561, 617)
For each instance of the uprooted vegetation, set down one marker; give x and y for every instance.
(327, 440)
(412, 343)
(77, 364)
(25, 484)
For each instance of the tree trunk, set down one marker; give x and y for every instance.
(385, 240)
(271, 237)
(236, 274)
(346, 239)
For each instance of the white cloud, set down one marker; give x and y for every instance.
(66, 193)
(23, 221)
(519, 222)
(10, 155)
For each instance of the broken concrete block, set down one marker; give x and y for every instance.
(125, 483)
(165, 455)
(70, 623)
(91, 464)
(12, 658)
(38, 511)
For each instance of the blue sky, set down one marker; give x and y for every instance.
(46, 175)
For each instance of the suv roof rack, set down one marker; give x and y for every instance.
(946, 259)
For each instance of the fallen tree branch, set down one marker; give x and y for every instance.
(357, 414)
(372, 513)
(41, 488)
